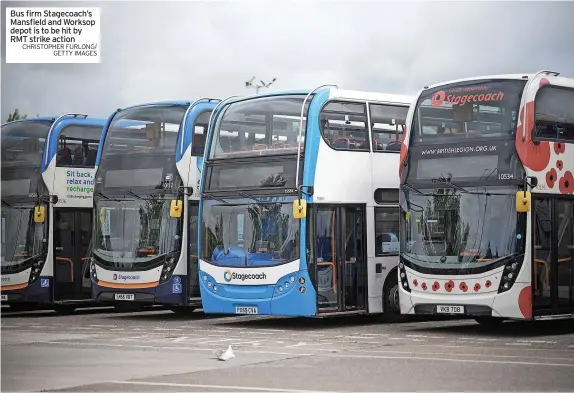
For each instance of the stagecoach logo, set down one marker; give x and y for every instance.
(125, 277)
(474, 94)
(168, 177)
(229, 275)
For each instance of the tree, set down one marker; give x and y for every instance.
(15, 116)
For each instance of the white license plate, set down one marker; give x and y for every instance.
(246, 310)
(3, 297)
(450, 309)
(124, 296)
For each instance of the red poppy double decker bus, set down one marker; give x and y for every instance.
(486, 195)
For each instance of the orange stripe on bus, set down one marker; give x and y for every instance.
(122, 285)
(12, 287)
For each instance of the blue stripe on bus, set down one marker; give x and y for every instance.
(312, 139)
(187, 136)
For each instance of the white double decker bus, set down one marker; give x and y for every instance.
(487, 205)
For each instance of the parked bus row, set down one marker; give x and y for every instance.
(456, 201)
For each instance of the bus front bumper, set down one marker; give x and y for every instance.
(298, 298)
(171, 292)
(37, 292)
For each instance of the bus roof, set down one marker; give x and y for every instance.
(166, 103)
(43, 118)
(334, 92)
(482, 77)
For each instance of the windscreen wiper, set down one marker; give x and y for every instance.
(130, 192)
(210, 196)
(100, 194)
(448, 181)
(6, 203)
(408, 186)
(246, 195)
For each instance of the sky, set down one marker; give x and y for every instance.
(154, 51)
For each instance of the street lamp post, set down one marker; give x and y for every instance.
(249, 84)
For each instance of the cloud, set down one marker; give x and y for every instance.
(184, 50)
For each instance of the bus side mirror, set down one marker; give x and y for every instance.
(523, 199)
(175, 208)
(299, 208)
(39, 213)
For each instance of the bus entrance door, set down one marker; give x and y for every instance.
(340, 258)
(553, 262)
(72, 232)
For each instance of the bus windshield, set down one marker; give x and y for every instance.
(249, 235)
(144, 130)
(22, 238)
(472, 109)
(135, 231)
(452, 228)
(23, 142)
(260, 126)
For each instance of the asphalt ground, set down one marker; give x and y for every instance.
(99, 350)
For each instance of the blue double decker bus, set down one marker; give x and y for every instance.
(146, 204)
(48, 167)
(299, 206)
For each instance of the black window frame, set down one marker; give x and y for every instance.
(388, 208)
(536, 135)
(324, 111)
(393, 194)
(399, 134)
(62, 137)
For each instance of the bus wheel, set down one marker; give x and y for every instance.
(391, 305)
(183, 310)
(489, 322)
(128, 307)
(64, 309)
(20, 307)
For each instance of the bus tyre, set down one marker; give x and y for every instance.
(64, 309)
(489, 322)
(183, 310)
(391, 305)
(128, 307)
(20, 307)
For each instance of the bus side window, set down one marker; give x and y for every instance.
(386, 231)
(554, 111)
(344, 126)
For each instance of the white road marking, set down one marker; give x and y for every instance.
(448, 360)
(189, 385)
(494, 348)
(194, 348)
(518, 344)
(179, 339)
(467, 354)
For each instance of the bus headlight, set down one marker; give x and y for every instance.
(404, 282)
(36, 270)
(167, 270)
(284, 284)
(510, 273)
